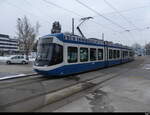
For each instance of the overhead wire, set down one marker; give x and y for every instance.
(103, 17)
(60, 7)
(116, 10)
(128, 10)
(48, 2)
(109, 20)
(32, 14)
(39, 9)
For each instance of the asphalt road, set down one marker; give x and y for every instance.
(106, 97)
(129, 92)
(14, 69)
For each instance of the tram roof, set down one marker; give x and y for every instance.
(90, 41)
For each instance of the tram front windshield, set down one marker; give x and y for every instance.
(48, 53)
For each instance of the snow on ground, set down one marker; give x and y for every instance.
(4, 58)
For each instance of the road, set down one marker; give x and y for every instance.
(14, 69)
(128, 92)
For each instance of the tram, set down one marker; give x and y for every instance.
(66, 54)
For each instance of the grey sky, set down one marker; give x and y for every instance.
(135, 11)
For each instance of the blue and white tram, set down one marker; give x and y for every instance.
(64, 54)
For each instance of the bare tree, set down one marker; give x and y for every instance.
(26, 33)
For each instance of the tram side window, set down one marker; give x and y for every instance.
(123, 54)
(92, 54)
(110, 54)
(127, 54)
(131, 54)
(100, 54)
(118, 54)
(83, 54)
(114, 54)
(58, 55)
(72, 54)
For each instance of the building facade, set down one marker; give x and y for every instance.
(8, 46)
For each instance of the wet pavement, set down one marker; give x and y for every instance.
(14, 69)
(129, 92)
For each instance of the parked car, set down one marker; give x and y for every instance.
(17, 59)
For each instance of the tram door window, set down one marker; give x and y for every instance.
(84, 54)
(72, 54)
(131, 54)
(92, 54)
(110, 53)
(58, 54)
(125, 54)
(118, 54)
(100, 54)
(114, 54)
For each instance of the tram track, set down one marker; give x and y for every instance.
(20, 81)
(89, 83)
(84, 83)
(45, 98)
(31, 78)
(39, 78)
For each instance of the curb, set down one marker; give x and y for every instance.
(59, 95)
(17, 76)
(36, 103)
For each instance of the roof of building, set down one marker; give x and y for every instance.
(4, 36)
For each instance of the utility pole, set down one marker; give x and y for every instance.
(73, 26)
(103, 36)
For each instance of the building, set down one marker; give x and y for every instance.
(147, 51)
(8, 46)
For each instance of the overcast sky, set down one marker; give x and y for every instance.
(131, 15)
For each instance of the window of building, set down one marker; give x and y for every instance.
(72, 54)
(83, 54)
(110, 53)
(100, 54)
(92, 54)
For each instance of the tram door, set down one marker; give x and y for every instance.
(106, 55)
(121, 56)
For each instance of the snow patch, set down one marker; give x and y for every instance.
(12, 76)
